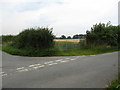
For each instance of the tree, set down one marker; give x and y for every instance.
(79, 36)
(69, 37)
(76, 36)
(35, 38)
(63, 37)
(103, 34)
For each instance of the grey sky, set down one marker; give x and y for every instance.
(67, 17)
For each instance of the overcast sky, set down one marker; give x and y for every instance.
(66, 17)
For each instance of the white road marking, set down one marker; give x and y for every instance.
(37, 66)
(4, 75)
(52, 64)
(72, 59)
(59, 60)
(2, 72)
(31, 65)
(23, 70)
(41, 66)
(48, 62)
(64, 61)
(34, 65)
(20, 68)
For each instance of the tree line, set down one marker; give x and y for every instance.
(77, 36)
(99, 34)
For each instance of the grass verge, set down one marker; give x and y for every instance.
(0, 47)
(28, 52)
(115, 83)
(60, 49)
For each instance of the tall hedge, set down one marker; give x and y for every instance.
(103, 34)
(35, 38)
(7, 38)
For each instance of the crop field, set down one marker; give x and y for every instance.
(68, 40)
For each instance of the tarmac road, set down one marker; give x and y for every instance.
(94, 71)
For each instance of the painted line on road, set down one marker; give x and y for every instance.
(2, 72)
(73, 59)
(59, 60)
(52, 64)
(4, 75)
(48, 62)
(65, 61)
(20, 68)
(34, 65)
(37, 67)
(41, 66)
(23, 70)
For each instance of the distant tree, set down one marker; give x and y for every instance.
(79, 36)
(63, 37)
(76, 36)
(82, 36)
(69, 37)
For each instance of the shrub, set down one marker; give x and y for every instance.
(7, 38)
(35, 38)
(103, 34)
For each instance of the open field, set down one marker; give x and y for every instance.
(68, 40)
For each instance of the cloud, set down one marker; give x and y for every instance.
(67, 17)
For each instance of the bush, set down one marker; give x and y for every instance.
(7, 38)
(0, 39)
(40, 38)
(103, 34)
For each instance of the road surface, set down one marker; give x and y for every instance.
(93, 71)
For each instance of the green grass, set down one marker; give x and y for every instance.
(28, 52)
(115, 83)
(75, 49)
(0, 47)
(60, 49)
